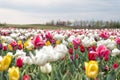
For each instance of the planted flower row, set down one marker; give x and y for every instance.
(33, 54)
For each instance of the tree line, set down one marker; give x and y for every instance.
(86, 24)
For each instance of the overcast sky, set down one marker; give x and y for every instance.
(40, 11)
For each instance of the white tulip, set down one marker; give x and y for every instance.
(64, 42)
(86, 42)
(61, 50)
(10, 53)
(81, 36)
(27, 60)
(58, 37)
(47, 68)
(19, 53)
(40, 59)
(115, 52)
(70, 39)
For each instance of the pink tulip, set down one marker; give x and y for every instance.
(117, 40)
(102, 51)
(36, 40)
(76, 42)
(104, 35)
(13, 43)
(48, 35)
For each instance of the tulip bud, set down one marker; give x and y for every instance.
(77, 56)
(106, 68)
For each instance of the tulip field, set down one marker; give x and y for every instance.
(76, 54)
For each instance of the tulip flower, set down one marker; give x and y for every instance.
(49, 35)
(13, 73)
(1, 46)
(13, 43)
(91, 69)
(92, 55)
(76, 41)
(36, 40)
(115, 65)
(26, 77)
(76, 55)
(57, 42)
(117, 40)
(4, 48)
(19, 42)
(26, 44)
(82, 49)
(19, 62)
(5, 62)
(102, 51)
(20, 46)
(47, 68)
(71, 51)
(10, 47)
(47, 43)
(104, 35)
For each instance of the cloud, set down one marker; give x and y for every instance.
(40, 11)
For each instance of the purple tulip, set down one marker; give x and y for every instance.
(72, 57)
(1, 46)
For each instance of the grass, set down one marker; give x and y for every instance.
(38, 26)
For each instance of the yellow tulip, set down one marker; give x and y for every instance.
(47, 43)
(5, 62)
(14, 73)
(1, 66)
(91, 68)
(57, 42)
(10, 47)
(19, 42)
(26, 44)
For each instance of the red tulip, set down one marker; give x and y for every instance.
(106, 58)
(115, 65)
(19, 62)
(26, 77)
(4, 48)
(20, 46)
(82, 48)
(92, 55)
(75, 46)
(77, 56)
(71, 51)
(92, 48)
